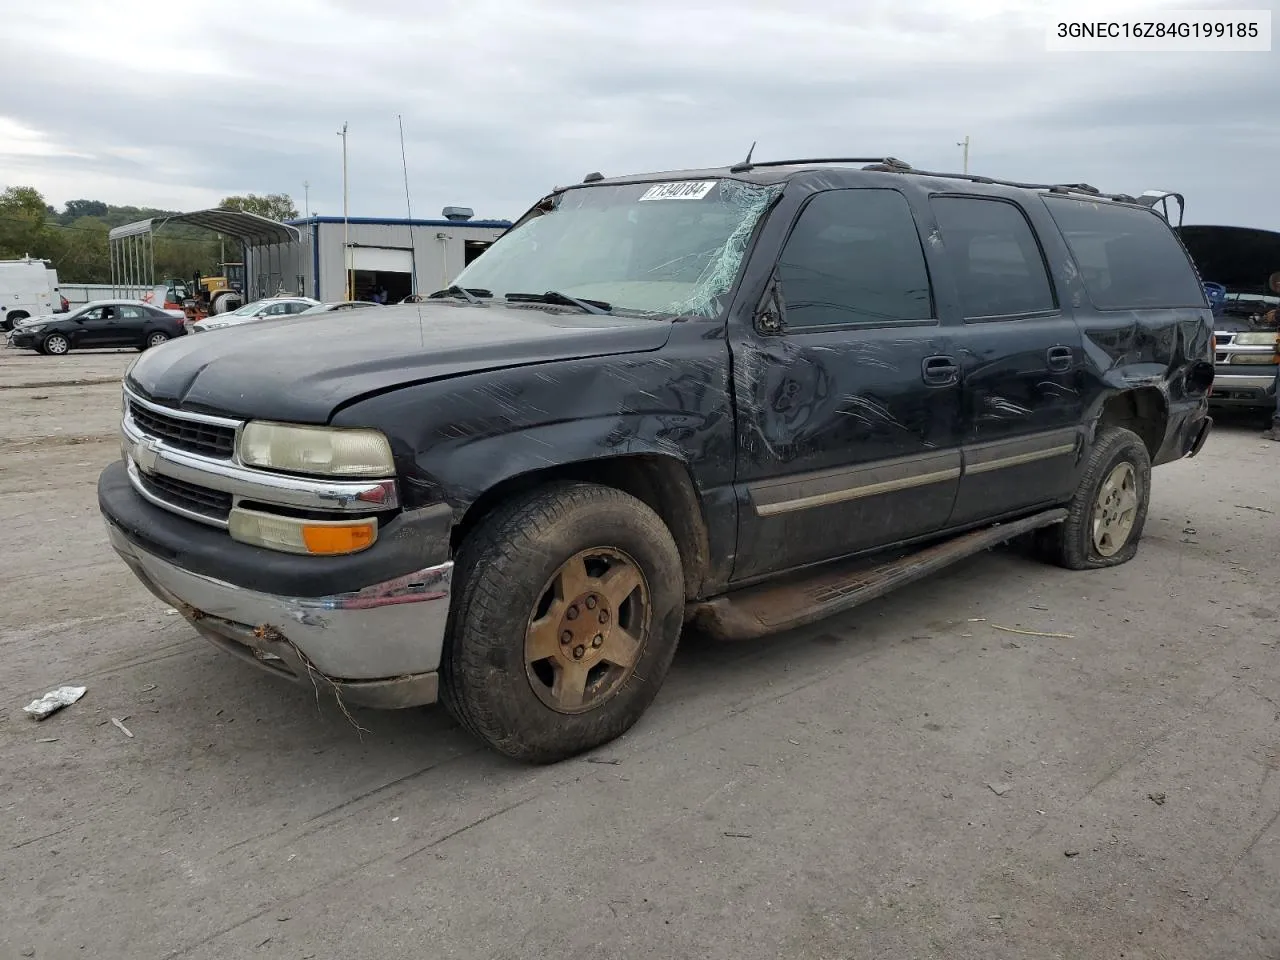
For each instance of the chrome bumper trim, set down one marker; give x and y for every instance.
(388, 630)
(1233, 381)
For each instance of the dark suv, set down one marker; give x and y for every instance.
(746, 397)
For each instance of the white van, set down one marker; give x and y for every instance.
(28, 288)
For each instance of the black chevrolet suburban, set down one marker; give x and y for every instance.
(740, 399)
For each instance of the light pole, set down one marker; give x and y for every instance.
(306, 198)
(965, 143)
(346, 240)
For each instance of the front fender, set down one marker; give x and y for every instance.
(456, 439)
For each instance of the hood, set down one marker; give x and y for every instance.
(220, 320)
(1239, 258)
(301, 369)
(29, 321)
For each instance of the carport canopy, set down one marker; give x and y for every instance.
(246, 227)
(132, 246)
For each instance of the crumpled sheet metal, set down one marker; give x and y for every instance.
(53, 701)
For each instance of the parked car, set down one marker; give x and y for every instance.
(342, 305)
(1245, 264)
(747, 398)
(102, 323)
(272, 308)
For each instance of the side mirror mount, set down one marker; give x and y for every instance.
(771, 313)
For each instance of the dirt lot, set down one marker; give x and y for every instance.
(909, 781)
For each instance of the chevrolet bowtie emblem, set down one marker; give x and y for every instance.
(145, 455)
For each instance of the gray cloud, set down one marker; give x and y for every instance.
(501, 101)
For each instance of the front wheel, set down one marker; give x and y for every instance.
(1109, 509)
(568, 613)
(56, 344)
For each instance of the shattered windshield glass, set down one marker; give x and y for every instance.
(669, 248)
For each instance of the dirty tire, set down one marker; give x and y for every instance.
(56, 344)
(1119, 468)
(502, 578)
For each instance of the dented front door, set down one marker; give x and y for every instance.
(847, 388)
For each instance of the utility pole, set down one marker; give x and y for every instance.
(306, 194)
(346, 238)
(965, 143)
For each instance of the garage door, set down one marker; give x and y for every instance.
(382, 259)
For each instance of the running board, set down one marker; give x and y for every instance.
(773, 607)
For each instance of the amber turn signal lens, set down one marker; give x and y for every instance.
(329, 540)
(294, 535)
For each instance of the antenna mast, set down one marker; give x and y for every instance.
(413, 248)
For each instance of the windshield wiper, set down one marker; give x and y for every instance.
(468, 295)
(598, 307)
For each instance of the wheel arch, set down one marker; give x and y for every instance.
(1144, 410)
(661, 481)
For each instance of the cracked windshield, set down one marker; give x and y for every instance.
(669, 248)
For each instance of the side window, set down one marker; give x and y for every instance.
(999, 268)
(854, 257)
(132, 313)
(1128, 257)
(94, 314)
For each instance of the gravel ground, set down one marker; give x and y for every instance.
(908, 781)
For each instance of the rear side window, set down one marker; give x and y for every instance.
(854, 258)
(1128, 257)
(999, 268)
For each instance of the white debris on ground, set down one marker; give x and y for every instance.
(53, 701)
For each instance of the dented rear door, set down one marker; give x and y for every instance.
(1020, 351)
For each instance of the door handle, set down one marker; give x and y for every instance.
(940, 371)
(1059, 359)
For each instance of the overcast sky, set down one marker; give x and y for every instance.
(179, 104)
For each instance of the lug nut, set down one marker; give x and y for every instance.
(591, 603)
(597, 641)
(573, 613)
(578, 652)
(604, 616)
(566, 637)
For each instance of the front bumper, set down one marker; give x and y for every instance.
(1234, 389)
(376, 642)
(26, 341)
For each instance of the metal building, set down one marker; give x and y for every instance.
(327, 258)
(398, 257)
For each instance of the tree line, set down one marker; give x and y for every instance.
(74, 239)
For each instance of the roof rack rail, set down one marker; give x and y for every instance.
(1064, 188)
(746, 165)
(894, 165)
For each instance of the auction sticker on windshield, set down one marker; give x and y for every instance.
(680, 190)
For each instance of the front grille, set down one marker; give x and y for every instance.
(189, 496)
(191, 435)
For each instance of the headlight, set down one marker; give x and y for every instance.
(33, 328)
(326, 451)
(1256, 339)
(1257, 359)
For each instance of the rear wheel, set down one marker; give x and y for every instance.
(56, 344)
(157, 337)
(1107, 514)
(570, 605)
(11, 320)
